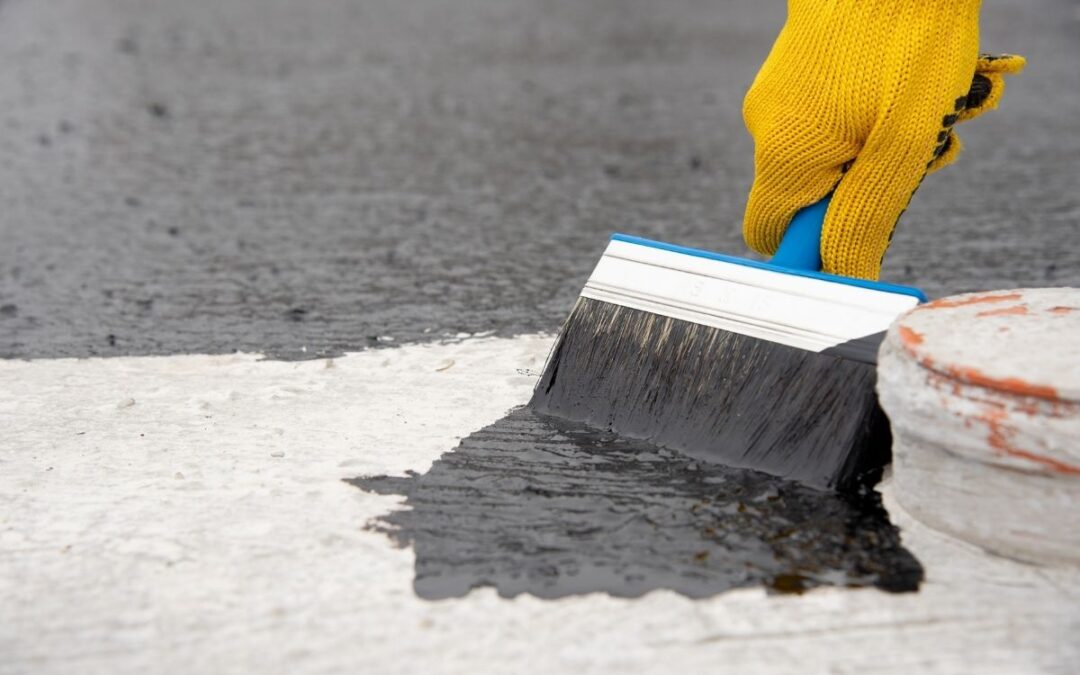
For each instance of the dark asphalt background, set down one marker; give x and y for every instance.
(218, 175)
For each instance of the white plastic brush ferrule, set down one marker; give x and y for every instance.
(799, 311)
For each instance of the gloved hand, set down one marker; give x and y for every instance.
(862, 96)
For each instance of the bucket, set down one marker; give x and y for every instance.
(983, 395)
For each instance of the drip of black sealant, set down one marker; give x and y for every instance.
(533, 504)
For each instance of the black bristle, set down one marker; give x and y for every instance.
(718, 395)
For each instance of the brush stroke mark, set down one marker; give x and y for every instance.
(532, 504)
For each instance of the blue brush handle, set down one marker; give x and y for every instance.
(801, 246)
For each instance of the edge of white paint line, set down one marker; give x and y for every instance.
(180, 514)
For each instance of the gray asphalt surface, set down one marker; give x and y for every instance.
(214, 175)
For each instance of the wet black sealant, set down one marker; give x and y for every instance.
(534, 504)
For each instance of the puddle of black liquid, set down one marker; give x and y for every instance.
(532, 504)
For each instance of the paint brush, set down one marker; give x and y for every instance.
(767, 366)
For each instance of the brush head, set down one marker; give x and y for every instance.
(730, 360)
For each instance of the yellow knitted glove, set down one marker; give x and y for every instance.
(861, 96)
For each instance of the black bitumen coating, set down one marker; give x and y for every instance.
(272, 175)
(536, 505)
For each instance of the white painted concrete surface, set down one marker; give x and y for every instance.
(186, 514)
(983, 392)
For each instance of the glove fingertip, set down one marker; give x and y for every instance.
(1009, 64)
(761, 231)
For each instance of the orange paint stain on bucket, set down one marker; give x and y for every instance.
(910, 337)
(972, 300)
(1018, 310)
(1012, 385)
(1000, 437)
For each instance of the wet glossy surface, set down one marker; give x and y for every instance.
(535, 505)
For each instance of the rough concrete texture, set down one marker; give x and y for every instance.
(269, 175)
(983, 392)
(187, 514)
